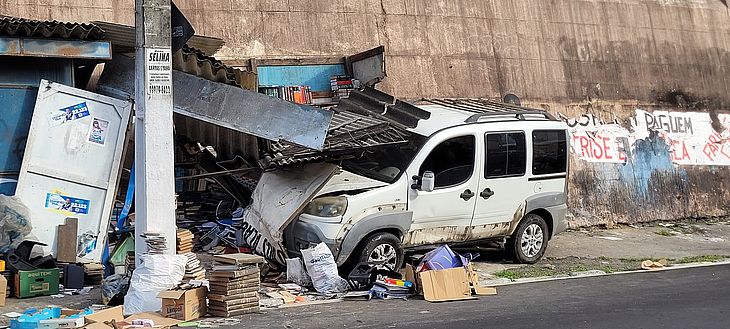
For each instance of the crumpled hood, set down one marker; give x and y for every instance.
(344, 181)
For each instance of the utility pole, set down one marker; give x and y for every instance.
(153, 127)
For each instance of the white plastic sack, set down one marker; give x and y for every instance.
(154, 274)
(14, 222)
(322, 269)
(295, 272)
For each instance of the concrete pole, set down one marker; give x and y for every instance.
(153, 151)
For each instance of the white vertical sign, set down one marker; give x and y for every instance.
(159, 71)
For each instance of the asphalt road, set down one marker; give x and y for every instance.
(684, 298)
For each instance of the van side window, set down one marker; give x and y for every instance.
(549, 152)
(452, 161)
(505, 155)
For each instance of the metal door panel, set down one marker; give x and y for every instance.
(72, 161)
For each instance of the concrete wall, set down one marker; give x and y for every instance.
(593, 61)
(547, 50)
(635, 162)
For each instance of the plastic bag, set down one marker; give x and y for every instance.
(154, 274)
(295, 272)
(322, 269)
(113, 289)
(14, 222)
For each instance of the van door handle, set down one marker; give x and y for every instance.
(466, 195)
(487, 193)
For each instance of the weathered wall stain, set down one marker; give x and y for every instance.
(642, 165)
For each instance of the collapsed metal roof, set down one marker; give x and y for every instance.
(22, 27)
(349, 132)
(227, 106)
(123, 37)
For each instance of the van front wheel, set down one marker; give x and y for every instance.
(383, 249)
(527, 245)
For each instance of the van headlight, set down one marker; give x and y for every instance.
(330, 206)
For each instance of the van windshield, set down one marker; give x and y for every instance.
(384, 163)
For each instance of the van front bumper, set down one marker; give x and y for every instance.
(301, 234)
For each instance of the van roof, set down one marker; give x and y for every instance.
(453, 112)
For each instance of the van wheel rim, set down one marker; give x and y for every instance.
(384, 254)
(531, 240)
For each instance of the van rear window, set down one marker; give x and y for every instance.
(549, 152)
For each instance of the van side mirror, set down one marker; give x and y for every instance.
(424, 183)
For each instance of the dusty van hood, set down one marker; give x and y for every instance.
(343, 181)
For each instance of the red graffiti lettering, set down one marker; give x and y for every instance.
(584, 145)
(597, 150)
(712, 149)
(679, 151)
(606, 149)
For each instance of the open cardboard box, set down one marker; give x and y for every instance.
(184, 305)
(451, 284)
(3, 290)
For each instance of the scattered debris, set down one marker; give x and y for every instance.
(652, 265)
(610, 238)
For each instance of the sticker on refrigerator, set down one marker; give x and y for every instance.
(98, 131)
(66, 204)
(70, 113)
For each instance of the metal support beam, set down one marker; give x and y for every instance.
(154, 149)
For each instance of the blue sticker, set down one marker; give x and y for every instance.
(67, 204)
(71, 113)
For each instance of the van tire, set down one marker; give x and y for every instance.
(382, 245)
(535, 241)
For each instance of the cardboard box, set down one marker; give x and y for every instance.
(475, 286)
(445, 285)
(184, 305)
(3, 290)
(160, 321)
(61, 323)
(41, 282)
(113, 313)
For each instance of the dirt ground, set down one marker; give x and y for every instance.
(618, 249)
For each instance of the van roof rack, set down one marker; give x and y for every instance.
(483, 108)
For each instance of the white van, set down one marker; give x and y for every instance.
(473, 172)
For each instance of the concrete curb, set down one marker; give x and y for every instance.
(566, 277)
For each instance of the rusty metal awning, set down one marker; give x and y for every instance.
(32, 38)
(228, 106)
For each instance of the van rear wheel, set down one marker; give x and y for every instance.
(529, 242)
(384, 249)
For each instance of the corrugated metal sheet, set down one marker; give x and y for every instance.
(228, 106)
(123, 37)
(227, 142)
(21, 27)
(195, 62)
(348, 133)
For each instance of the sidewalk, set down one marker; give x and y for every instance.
(618, 249)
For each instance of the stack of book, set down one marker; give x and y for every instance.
(388, 288)
(295, 94)
(93, 273)
(184, 241)
(156, 243)
(341, 85)
(193, 268)
(234, 284)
